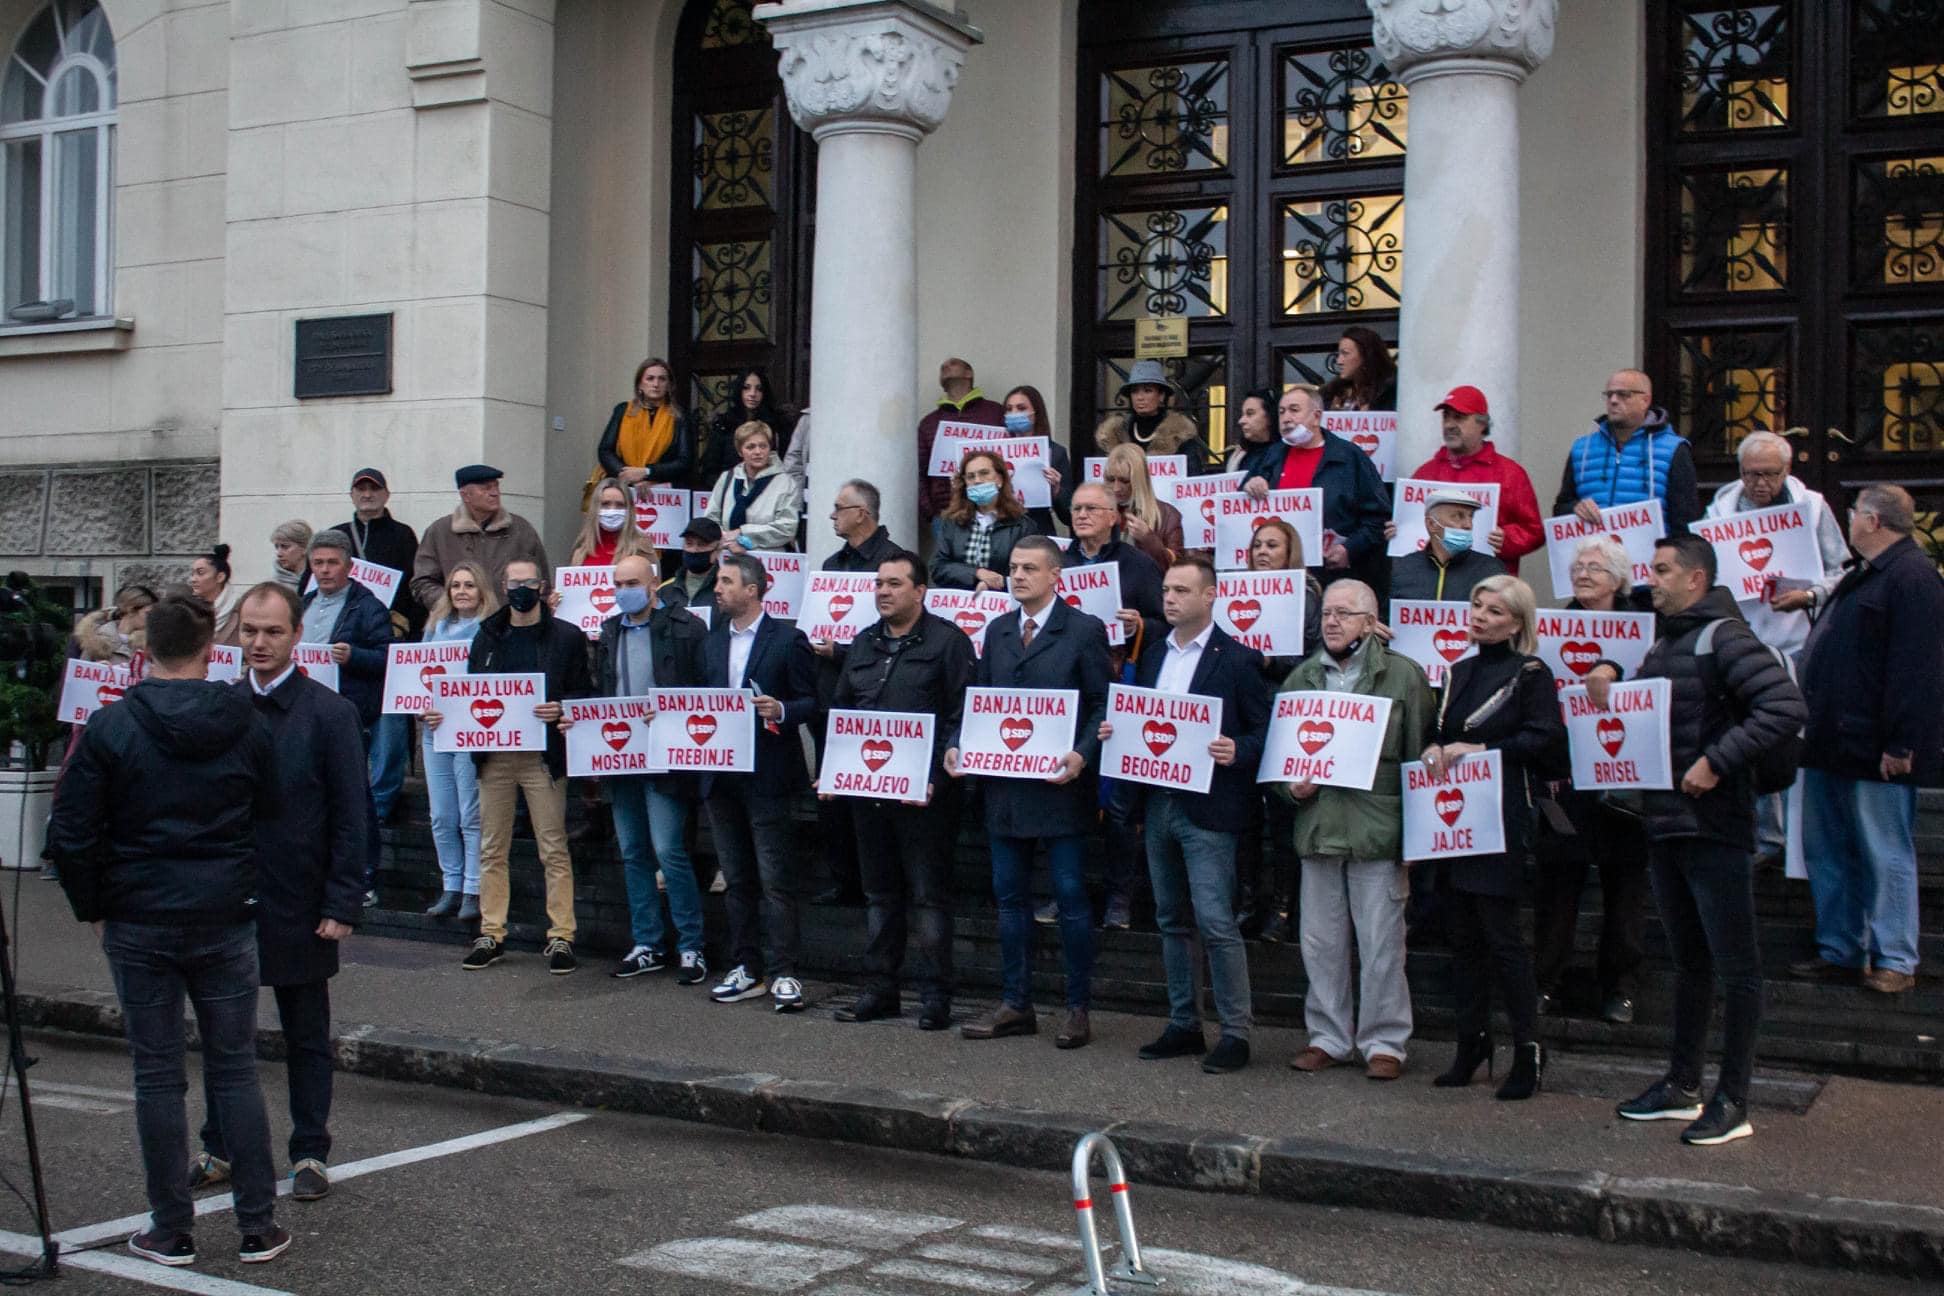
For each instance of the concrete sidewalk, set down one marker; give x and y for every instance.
(1841, 1171)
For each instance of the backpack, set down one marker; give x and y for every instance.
(1774, 767)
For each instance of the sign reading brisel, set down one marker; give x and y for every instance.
(1623, 744)
(881, 754)
(1332, 739)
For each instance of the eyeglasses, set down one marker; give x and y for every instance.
(1754, 474)
(1587, 569)
(1092, 508)
(533, 584)
(1334, 614)
(843, 508)
(1621, 393)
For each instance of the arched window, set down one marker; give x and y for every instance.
(57, 131)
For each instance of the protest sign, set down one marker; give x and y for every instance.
(836, 605)
(315, 660)
(1634, 526)
(1432, 634)
(1624, 744)
(609, 736)
(1237, 516)
(381, 581)
(1756, 549)
(87, 686)
(489, 713)
(1162, 469)
(1017, 733)
(958, 430)
(1160, 739)
(1194, 499)
(1096, 591)
(1407, 511)
(1570, 641)
(712, 730)
(1334, 739)
(1372, 431)
(661, 514)
(699, 503)
(1026, 456)
(410, 669)
(970, 610)
(1263, 610)
(881, 754)
(586, 597)
(1460, 814)
(225, 663)
(787, 571)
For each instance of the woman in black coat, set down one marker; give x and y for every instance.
(750, 401)
(1501, 700)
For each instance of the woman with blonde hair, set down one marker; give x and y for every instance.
(291, 540)
(649, 437)
(756, 503)
(977, 531)
(451, 780)
(1153, 525)
(608, 532)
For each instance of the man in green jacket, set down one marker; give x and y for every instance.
(1349, 842)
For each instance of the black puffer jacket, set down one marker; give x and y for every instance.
(154, 819)
(1727, 710)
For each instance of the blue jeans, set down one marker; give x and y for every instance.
(216, 968)
(1012, 862)
(651, 828)
(391, 737)
(1193, 872)
(1857, 844)
(452, 786)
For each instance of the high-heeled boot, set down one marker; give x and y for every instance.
(1472, 1050)
(1528, 1073)
(445, 906)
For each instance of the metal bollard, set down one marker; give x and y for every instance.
(1128, 1269)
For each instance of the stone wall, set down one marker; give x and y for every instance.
(118, 522)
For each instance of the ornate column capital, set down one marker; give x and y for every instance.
(1426, 38)
(877, 66)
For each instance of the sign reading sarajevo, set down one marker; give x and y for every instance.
(1756, 551)
(970, 610)
(1407, 511)
(1460, 814)
(1431, 633)
(836, 605)
(704, 730)
(586, 597)
(1634, 527)
(661, 514)
(609, 736)
(1017, 733)
(315, 660)
(1571, 641)
(1096, 591)
(1237, 517)
(882, 754)
(489, 713)
(1333, 739)
(1372, 431)
(1194, 499)
(1263, 610)
(87, 686)
(1623, 745)
(1160, 739)
(410, 669)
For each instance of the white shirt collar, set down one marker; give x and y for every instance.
(754, 626)
(275, 684)
(1196, 644)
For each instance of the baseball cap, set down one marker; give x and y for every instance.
(1464, 400)
(707, 530)
(371, 475)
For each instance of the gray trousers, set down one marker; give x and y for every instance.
(1365, 897)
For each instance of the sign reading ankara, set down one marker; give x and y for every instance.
(344, 355)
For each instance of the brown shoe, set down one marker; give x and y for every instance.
(1076, 1031)
(1000, 1022)
(1884, 981)
(1383, 1067)
(1312, 1059)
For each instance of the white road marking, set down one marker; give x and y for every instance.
(40, 1087)
(874, 1230)
(340, 1174)
(1031, 1236)
(68, 1102)
(765, 1266)
(1013, 1262)
(138, 1270)
(979, 1280)
(1189, 1274)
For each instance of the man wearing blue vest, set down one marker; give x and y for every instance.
(1633, 454)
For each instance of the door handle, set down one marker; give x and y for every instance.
(1839, 435)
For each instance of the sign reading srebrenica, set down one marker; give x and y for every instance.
(344, 355)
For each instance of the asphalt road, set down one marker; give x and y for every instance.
(553, 1200)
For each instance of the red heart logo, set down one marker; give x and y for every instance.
(969, 620)
(1756, 553)
(1208, 509)
(616, 733)
(1450, 804)
(1244, 613)
(1612, 733)
(645, 515)
(701, 728)
(1159, 735)
(1616, 539)
(488, 711)
(840, 606)
(1314, 735)
(876, 752)
(108, 693)
(602, 599)
(1015, 732)
(1365, 442)
(1259, 521)
(1579, 655)
(428, 674)
(1450, 644)
(1073, 600)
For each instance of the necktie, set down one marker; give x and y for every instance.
(1026, 634)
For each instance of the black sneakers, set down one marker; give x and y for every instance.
(484, 953)
(1230, 1054)
(259, 1248)
(560, 957)
(1723, 1121)
(164, 1247)
(695, 969)
(1664, 1100)
(640, 959)
(1174, 1042)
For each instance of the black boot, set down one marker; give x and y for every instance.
(445, 906)
(1472, 1050)
(1280, 927)
(1528, 1072)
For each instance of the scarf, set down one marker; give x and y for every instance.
(745, 493)
(644, 437)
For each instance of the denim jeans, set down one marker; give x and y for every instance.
(754, 847)
(452, 786)
(1706, 895)
(216, 968)
(304, 1013)
(391, 738)
(1012, 862)
(1857, 843)
(1193, 872)
(651, 828)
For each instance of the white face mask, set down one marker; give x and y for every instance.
(612, 519)
(1300, 435)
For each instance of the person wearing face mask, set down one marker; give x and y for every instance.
(1356, 503)
(959, 401)
(1448, 565)
(693, 587)
(1026, 417)
(976, 534)
(608, 533)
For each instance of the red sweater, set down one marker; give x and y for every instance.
(1518, 514)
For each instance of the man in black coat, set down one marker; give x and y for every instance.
(154, 834)
(344, 614)
(910, 661)
(1044, 644)
(749, 814)
(378, 537)
(1356, 503)
(310, 876)
(1731, 699)
(1191, 836)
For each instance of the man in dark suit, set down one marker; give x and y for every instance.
(310, 867)
(749, 814)
(1191, 835)
(1043, 645)
(344, 614)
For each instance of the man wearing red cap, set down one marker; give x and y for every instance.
(1468, 455)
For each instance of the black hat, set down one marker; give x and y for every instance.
(370, 475)
(707, 530)
(477, 474)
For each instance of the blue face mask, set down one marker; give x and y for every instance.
(982, 493)
(631, 599)
(1018, 421)
(1456, 541)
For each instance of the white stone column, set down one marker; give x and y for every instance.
(1463, 62)
(869, 79)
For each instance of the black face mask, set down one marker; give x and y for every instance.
(1349, 650)
(523, 599)
(697, 562)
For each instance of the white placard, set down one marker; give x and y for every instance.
(970, 610)
(1263, 610)
(1432, 634)
(1160, 739)
(1237, 516)
(662, 514)
(225, 663)
(1095, 589)
(704, 730)
(701, 612)
(1623, 745)
(885, 755)
(87, 686)
(1635, 526)
(836, 605)
(1194, 498)
(1028, 458)
(1571, 641)
(608, 736)
(1460, 814)
(586, 597)
(410, 669)
(489, 713)
(381, 581)
(1407, 511)
(959, 430)
(1372, 431)
(315, 660)
(787, 571)
(1756, 548)
(699, 503)
(1017, 733)
(1333, 739)
(1161, 469)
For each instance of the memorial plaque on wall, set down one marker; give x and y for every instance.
(344, 355)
